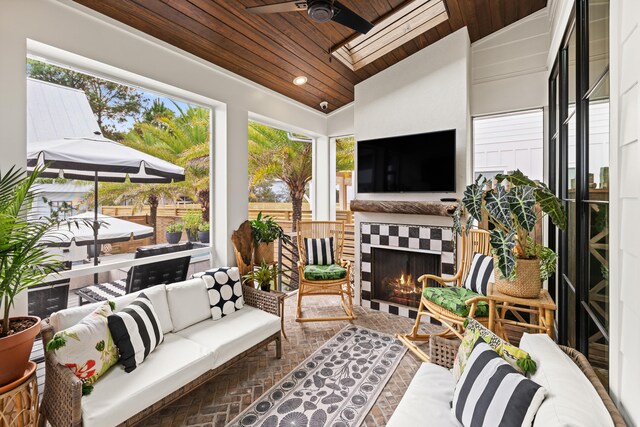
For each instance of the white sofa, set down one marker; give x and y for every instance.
(195, 349)
(574, 395)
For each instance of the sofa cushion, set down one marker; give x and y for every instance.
(454, 299)
(87, 347)
(118, 396)
(234, 334)
(492, 393)
(319, 251)
(569, 391)
(157, 294)
(188, 303)
(480, 273)
(136, 332)
(324, 272)
(225, 291)
(426, 402)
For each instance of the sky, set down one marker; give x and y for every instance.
(150, 97)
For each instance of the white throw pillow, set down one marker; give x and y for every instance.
(569, 392)
(87, 347)
(188, 303)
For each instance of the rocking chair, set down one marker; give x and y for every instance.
(318, 280)
(449, 301)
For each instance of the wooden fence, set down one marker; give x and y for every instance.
(169, 214)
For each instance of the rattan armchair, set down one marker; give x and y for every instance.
(473, 241)
(340, 287)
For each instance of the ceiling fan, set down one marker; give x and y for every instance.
(319, 11)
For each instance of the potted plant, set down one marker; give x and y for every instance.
(265, 231)
(513, 207)
(192, 222)
(174, 232)
(24, 263)
(203, 232)
(263, 276)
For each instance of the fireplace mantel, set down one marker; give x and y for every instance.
(435, 208)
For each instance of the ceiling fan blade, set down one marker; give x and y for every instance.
(288, 6)
(345, 16)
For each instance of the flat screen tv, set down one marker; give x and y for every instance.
(423, 162)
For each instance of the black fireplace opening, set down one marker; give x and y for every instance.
(395, 274)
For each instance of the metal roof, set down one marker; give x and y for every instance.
(56, 112)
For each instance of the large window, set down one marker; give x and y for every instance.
(506, 142)
(69, 105)
(579, 170)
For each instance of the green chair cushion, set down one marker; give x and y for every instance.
(324, 272)
(453, 299)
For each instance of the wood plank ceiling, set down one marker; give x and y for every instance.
(274, 49)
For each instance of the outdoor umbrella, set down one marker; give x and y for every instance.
(111, 230)
(101, 160)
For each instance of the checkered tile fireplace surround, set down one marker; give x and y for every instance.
(411, 238)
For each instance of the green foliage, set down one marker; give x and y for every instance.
(204, 227)
(263, 275)
(110, 102)
(24, 259)
(192, 222)
(513, 213)
(175, 227)
(266, 230)
(58, 341)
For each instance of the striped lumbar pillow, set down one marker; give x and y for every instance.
(136, 331)
(319, 251)
(492, 393)
(480, 274)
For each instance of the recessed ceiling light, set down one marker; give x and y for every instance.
(300, 80)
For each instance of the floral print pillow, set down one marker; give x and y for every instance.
(517, 358)
(87, 347)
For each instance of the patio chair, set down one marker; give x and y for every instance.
(452, 295)
(327, 279)
(141, 277)
(49, 297)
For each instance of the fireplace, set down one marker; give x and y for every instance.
(389, 250)
(395, 274)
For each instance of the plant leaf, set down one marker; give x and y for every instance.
(472, 199)
(516, 178)
(522, 202)
(552, 206)
(497, 205)
(503, 245)
(457, 216)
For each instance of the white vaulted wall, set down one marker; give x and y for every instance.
(509, 67)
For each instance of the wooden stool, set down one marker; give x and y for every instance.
(19, 401)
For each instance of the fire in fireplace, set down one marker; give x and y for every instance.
(395, 274)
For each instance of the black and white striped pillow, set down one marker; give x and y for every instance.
(136, 331)
(480, 273)
(492, 393)
(319, 251)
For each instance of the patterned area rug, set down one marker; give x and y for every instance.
(335, 386)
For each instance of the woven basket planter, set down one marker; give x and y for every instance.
(263, 252)
(527, 283)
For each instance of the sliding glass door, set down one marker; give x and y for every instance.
(579, 172)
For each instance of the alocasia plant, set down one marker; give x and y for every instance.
(511, 207)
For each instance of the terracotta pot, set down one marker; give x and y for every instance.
(263, 252)
(527, 283)
(15, 351)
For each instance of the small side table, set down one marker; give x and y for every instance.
(540, 311)
(19, 401)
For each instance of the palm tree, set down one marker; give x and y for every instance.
(273, 155)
